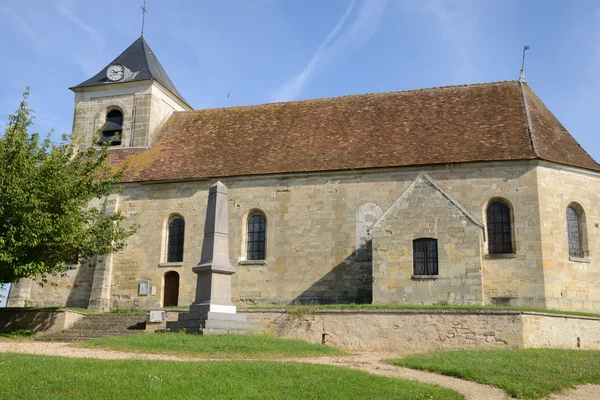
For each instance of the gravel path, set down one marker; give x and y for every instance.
(368, 362)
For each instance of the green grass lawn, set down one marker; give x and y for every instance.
(42, 377)
(19, 334)
(222, 346)
(529, 374)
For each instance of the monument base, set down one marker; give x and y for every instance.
(201, 310)
(211, 323)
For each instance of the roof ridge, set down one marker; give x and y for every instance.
(347, 96)
(528, 120)
(147, 49)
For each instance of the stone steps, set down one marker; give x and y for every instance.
(100, 325)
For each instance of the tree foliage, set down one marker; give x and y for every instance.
(46, 194)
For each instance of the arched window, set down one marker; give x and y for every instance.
(425, 256)
(576, 231)
(112, 131)
(175, 236)
(499, 228)
(257, 233)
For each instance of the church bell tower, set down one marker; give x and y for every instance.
(125, 103)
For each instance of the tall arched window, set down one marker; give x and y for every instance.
(112, 130)
(576, 231)
(175, 236)
(257, 233)
(499, 228)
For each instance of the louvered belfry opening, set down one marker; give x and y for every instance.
(256, 237)
(112, 131)
(574, 233)
(499, 228)
(175, 240)
(425, 256)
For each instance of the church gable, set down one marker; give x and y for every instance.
(427, 249)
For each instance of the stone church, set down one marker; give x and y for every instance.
(470, 194)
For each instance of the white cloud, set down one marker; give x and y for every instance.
(70, 15)
(457, 25)
(23, 25)
(88, 62)
(363, 27)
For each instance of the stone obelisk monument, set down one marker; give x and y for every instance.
(212, 308)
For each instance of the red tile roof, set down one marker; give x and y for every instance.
(455, 124)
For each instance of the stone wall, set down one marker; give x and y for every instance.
(38, 321)
(91, 108)
(395, 331)
(425, 210)
(569, 332)
(311, 234)
(416, 331)
(403, 331)
(72, 289)
(570, 283)
(145, 106)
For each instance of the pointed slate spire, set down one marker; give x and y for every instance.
(140, 64)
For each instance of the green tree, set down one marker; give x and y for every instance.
(46, 190)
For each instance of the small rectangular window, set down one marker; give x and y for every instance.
(425, 256)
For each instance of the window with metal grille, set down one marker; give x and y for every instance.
(499, 228)
(257, 231)
(175, 238)
(113, 128)
(425, 256)
(574, 232)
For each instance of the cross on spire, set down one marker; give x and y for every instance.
(144, 12)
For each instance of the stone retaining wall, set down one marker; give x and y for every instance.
(571, 332)
(430, 330)
(38, 321)
(407, 331)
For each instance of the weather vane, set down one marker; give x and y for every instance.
(144, 12)
(522, 75)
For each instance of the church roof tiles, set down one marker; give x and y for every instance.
(456, 124)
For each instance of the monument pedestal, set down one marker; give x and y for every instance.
(213, 312)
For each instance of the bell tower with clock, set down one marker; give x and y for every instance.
(125, 103)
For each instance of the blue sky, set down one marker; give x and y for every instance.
(260, 51)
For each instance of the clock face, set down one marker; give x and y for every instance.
(115, 72)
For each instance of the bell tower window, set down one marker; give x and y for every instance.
(112, 131)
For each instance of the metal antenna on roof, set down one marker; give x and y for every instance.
(522, 75)
(144, 12)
